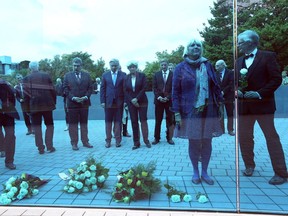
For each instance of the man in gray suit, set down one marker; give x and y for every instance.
(78, 89)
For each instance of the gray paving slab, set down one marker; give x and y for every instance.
(172, 165)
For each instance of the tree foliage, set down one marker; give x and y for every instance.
(268, 18)
(218, 37)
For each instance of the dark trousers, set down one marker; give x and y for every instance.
(113, 115)
(66, 110)
(26, 116)
(37, 126)
(159, 112)
(8, 138)
(76, 116)
(229, 107)
(136, 114)
(246, 139)
(124, 125)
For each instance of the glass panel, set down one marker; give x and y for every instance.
(261, 107)
(173, 164)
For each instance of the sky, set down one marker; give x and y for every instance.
(123, 29)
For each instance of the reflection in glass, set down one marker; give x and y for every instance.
(260, 109)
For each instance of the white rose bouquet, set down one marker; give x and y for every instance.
(87, 176)
(18, 188)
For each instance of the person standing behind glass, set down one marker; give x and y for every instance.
(78, 89)
(196, 99)
(112, 100)
(226, 82)
(8, 114)
(257, 103)
(162, 88)
(20, 96)
(137, 101)
(41, 96)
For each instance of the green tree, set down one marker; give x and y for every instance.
(270, 20)
(218, 35)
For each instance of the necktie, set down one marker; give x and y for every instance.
(165, 79)
(114, 78)
(221, 75)
(78, 77)
(251, 55)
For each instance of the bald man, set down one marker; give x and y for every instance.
(226, 81)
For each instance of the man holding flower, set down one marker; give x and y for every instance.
(259, 77)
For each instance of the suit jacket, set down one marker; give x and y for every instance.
(110, 93)
(184, 83)
(158, 86)
(227, 85)
(73, 88)
(7, 100)
(139, 92)
(41, 94)
(264, 77)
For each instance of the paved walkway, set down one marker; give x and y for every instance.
(173, 166)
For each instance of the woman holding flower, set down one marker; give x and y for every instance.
(136, 99)
(196, 99)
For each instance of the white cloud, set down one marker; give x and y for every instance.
(126, 29)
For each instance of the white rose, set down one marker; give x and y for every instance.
(243, 71)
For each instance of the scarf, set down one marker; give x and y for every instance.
(201, 90)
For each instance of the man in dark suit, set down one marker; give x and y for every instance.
(226, 82)
(8, 113)
(259, 77)
(20, 96)
(162, 88)
(78, 89)
(112, 100)
(41, 97)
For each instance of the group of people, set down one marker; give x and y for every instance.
(199, 95)
(193, 96)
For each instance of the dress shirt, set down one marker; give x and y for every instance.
(249, 61)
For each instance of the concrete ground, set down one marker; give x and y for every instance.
(256, 196)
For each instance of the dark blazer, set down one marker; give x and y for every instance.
(158, 86)
(227, 85)
(140, 87)
(7, 100)
(110, 93)
(74, 89)
(264, 77)
(41, 94)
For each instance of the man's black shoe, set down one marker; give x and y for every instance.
(10, 166)
(3, 154)
(248, 171)
(155, 142)
(41, 151)
(87, 145)
(231, 133)
(171, 142)
(51, 150)
(75, 147)
(277, 180)
(29, 132)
